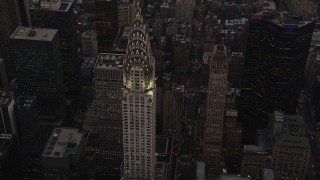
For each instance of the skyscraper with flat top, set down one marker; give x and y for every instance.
(139, 104)
(216, 97)
(107, 23)
(60, 15)
(36, 53)
(277, 50)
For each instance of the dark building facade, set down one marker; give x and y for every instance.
(62, 18)
(277, 50)
(8, 123)
(107, 23)
(105, 138)
(27, 117)
(4, 84)
(10, 158)
(9, 20)
(36, 53)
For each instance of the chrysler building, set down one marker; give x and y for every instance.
(139, 104)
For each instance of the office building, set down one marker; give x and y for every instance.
(164, 164)
(139, 104)
(184, 10)
(107, 109)
(27, 116)
(126, 12)
(215, 110)
(108, 77)
(60, 157)
(36, 53)
(232, 132)
(290, 157)
(277, 49)
(107, 23)
(280, 123)
(9, 124)
(89, 44)
(4, 84)
(24, 7)
(235, 69)
(302, 7)
(10, 165)
(172, 110)
(61, 17)
(254, 159)
(9, 20)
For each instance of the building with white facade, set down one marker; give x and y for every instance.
(139, 104)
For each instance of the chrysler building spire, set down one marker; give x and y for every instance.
(138, 105)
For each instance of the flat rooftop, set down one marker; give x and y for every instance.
(292, 142)
(110, 61)
(34, 34)
(284, 19)
(63, 142)
(294, 120)
(233, 177)
(231, 113)
(64, 7)
(252, 149)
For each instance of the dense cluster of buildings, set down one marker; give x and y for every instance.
(160, 90)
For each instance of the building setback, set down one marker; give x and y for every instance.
(36, 53)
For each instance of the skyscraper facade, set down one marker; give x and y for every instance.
(139, 104)
(59, 15)
(215, 110)
(291, 156)
(126, 12)
(107, 23)
(4, 84)
(36, 53)
(10, 167)
(9, 20)
(277, 50)
(184, 10)
(27, 117)
(8, 123)
(107, 110)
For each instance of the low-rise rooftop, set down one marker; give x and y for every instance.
(35, 34)
(63, 142)
(288, 141)
(110, 60)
